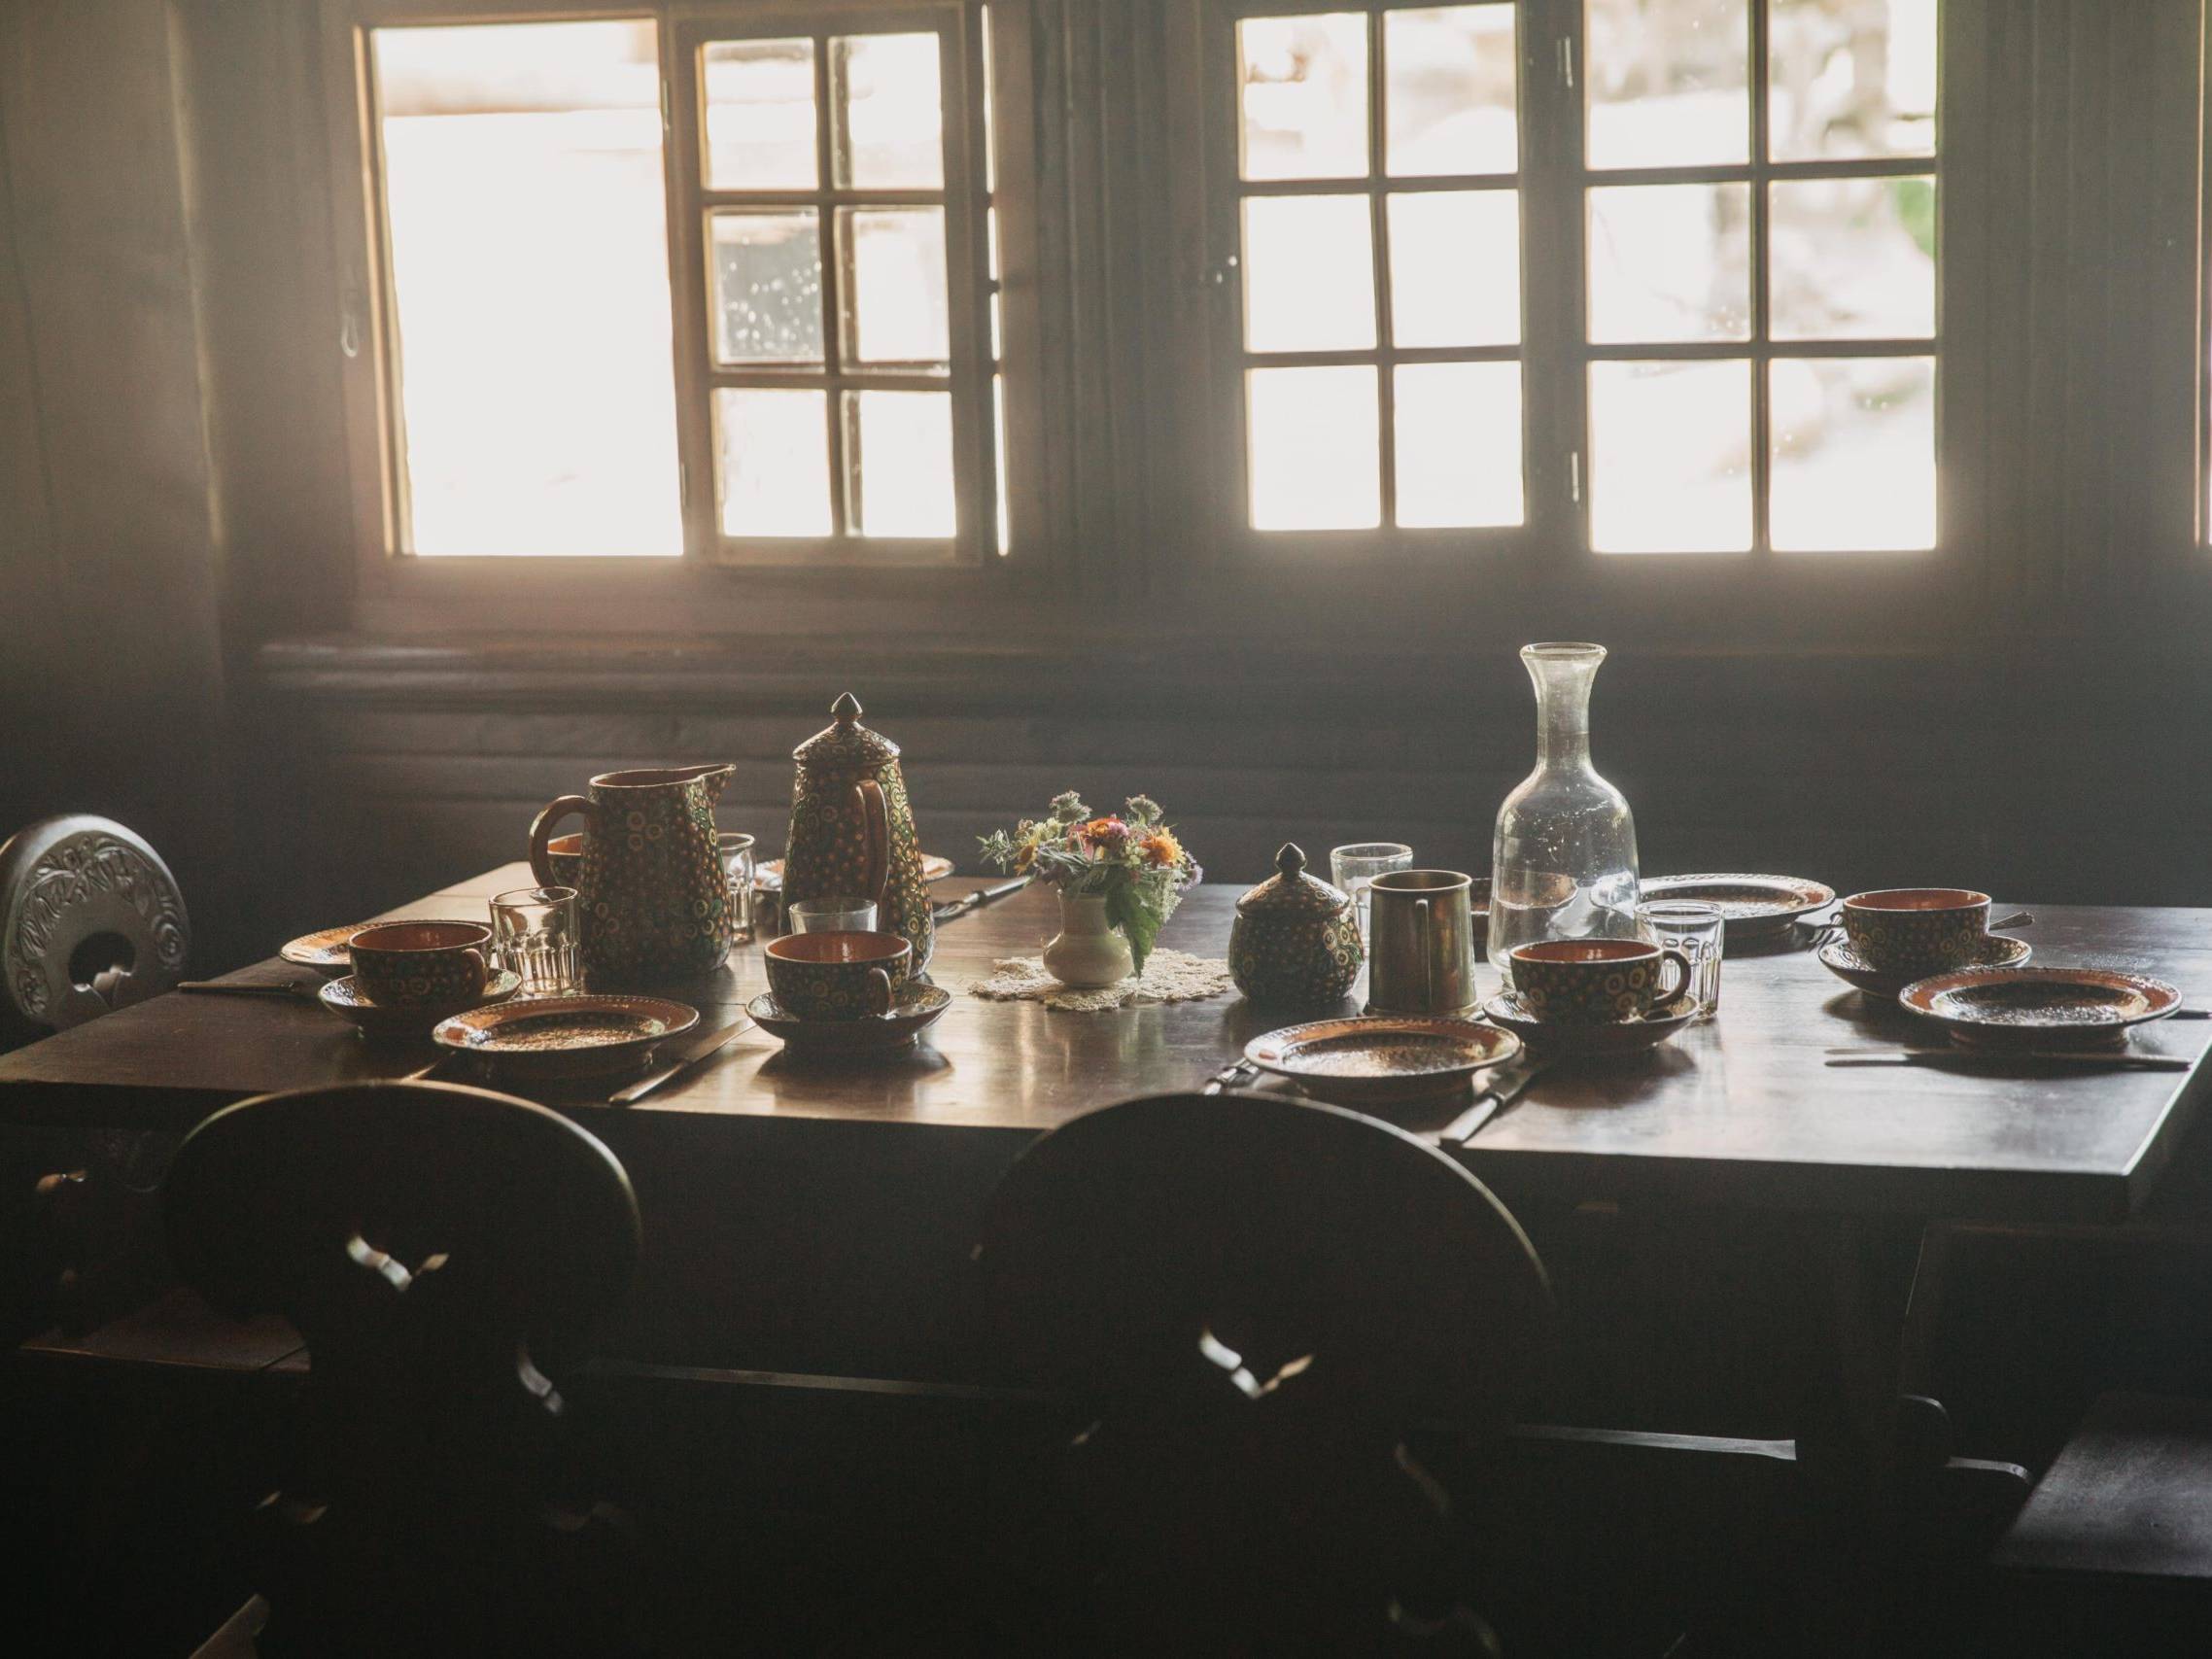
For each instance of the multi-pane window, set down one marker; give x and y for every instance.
(725, 292)
(1759, 201)
(1378, 204)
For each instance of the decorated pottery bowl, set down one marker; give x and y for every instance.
(1917, 930)
(836, 976)
(1591, 982)
(421, 964)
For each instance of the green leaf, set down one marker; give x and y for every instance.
(1135, 908)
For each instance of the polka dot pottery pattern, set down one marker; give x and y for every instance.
(837, 976)
(835, 824)
(649, 886)
(1595, 982)
(1917, 930)
(421, 964)
(1296, 941)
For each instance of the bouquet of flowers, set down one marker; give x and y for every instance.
(1133, 861)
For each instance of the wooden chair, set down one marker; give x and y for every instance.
(1254, 1301)
(444, 1252)
(90, 920)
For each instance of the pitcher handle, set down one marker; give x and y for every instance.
(876, 833)
(1422, 918)
(541, 833)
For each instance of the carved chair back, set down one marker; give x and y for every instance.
(1254, 1299)
(444, 1250)
(90, 920)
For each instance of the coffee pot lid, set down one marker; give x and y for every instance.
(1291, 892)
(845, 742)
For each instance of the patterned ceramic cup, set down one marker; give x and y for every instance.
(836, 976)
(564, 853)
(1917, 930)
(421, 964)
(1595, 982)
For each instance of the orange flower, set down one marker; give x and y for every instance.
(1108, 834)
(1160, 848)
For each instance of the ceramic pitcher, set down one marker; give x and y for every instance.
(649, 892)
(852, 829)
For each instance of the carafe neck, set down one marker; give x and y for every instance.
(1563, 676)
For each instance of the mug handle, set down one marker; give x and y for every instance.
(1422, 918)
(1682, 976)
(475, 953)
(541, 833)
(879, 993)
(876, 835)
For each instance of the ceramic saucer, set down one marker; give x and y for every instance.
(2040, 1007)
(769, 873)
(567, 1036)
(1381, 1058)
(1841, 957)
(915, 1007)
(341, 999)
(1751, 907)
(1615, 1037)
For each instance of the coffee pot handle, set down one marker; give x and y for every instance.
(876, 838)
(542, 830)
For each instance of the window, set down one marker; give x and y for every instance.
(1378, 207)
(1732, 299)
(1760, 304)
(717, 286)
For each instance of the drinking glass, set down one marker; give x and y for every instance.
(536, 932)
(1353, 867)
(734, 850)
(832, 916)
(1694, 930)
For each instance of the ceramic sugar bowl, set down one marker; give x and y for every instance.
(1296, 941)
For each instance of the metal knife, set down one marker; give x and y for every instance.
(689, 1053)
(1957, 1056)
(223, 987)
(975, 900)
(1491, 1103)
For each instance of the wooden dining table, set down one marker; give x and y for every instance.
(816, 1213)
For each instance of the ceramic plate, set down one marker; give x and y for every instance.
(2038, 1006)
(1381, 1057)
(1841, 957)
(1614, 1038)
(917, 1008)
(1751, 907)
(769, 875)
(568, 1036)
(341, 999)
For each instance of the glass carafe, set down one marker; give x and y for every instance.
(1562, 865)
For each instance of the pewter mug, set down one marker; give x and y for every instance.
(1420, 942)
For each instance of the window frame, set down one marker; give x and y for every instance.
(411, 591)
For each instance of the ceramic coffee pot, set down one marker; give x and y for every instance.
(650, 895)
(852, 829)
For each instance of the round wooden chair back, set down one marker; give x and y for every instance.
(90, 920)
(1261, 1244)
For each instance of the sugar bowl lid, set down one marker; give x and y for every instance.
(1291, 892)
(846, 742)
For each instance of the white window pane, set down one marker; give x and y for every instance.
(1449, 97)
(1671, 457)
(1670, 263)
(767, 287)
(1455, 267)
(998, 445)
(1852, 258)
(901, 455)
(1309, 273)
(1669, 83)
(1314, 455)
(1850, 79)
(895, 305)
(1853, 452)
(891, 131)
(1304, 95)
(772, 457)
(528, 248)
(1458, 443)
(760, 114)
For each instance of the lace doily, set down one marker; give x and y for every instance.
(1169, 976)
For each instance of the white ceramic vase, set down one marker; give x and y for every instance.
(1089, 954)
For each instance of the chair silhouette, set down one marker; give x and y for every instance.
(444, 1252)
(1253, 1300)
(90, 920)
